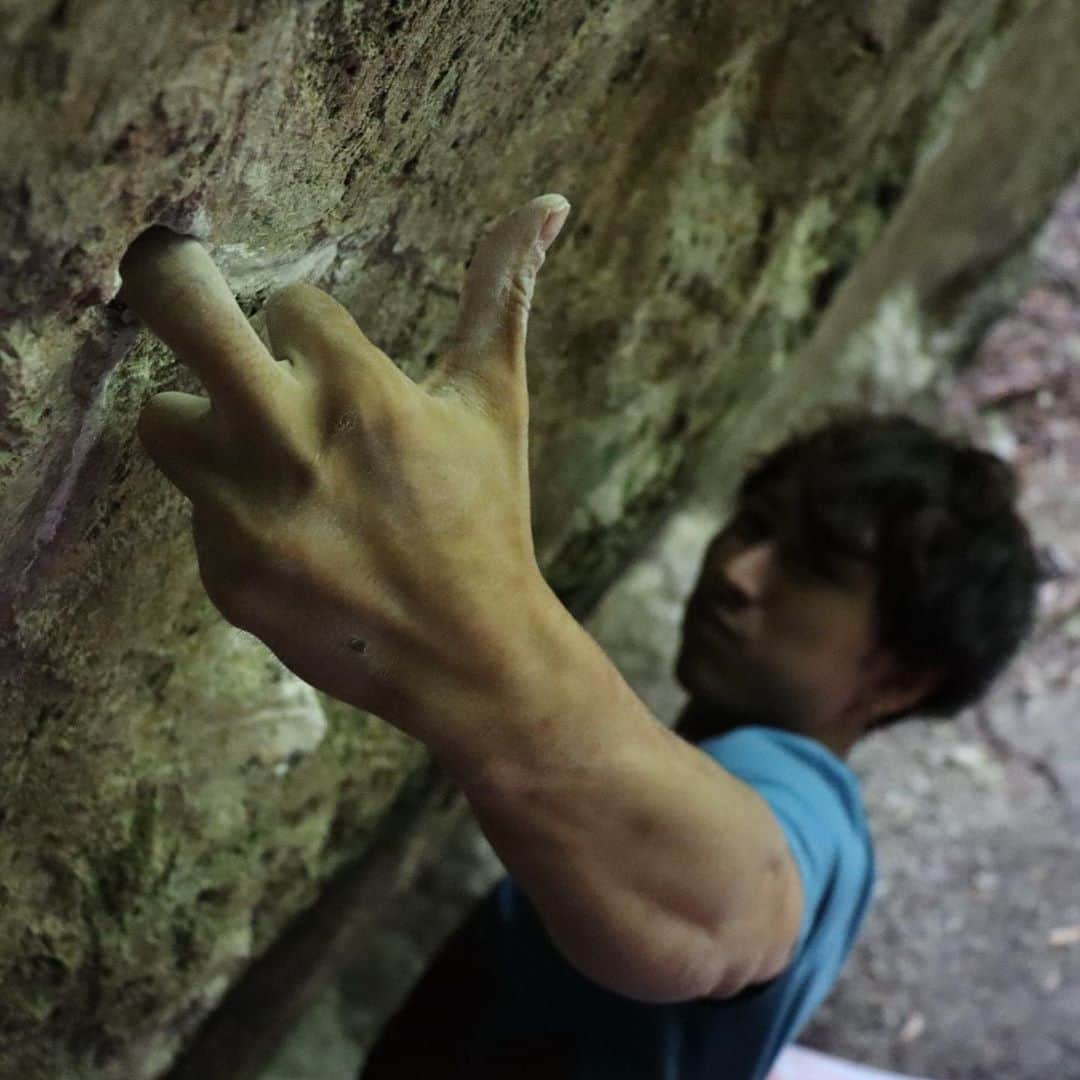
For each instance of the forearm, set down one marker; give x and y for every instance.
(640, 853)
(375, 534)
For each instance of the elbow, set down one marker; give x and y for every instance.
(741, 968)
(667, 961)
(649, 954)
(712, 971)
(662, 959)
(733, 980)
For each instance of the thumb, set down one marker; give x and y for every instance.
(493, 316)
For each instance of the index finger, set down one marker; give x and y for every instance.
(173, 285)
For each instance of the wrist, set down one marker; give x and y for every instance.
(508, 710)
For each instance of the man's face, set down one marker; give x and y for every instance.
(796, 645)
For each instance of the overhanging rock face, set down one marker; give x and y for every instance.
(170, 797)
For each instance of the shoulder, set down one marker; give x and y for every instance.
(817, 801)
(793, 769)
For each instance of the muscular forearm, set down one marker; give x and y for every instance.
(656, 872)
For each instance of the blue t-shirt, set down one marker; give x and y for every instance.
(541, 1005)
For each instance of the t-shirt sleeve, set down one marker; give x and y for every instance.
(816, 799)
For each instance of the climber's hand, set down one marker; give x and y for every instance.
(374, 532)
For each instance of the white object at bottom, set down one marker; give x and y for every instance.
(801, 1063)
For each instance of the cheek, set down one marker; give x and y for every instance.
(820, 665)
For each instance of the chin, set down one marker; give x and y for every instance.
(693, 676)
(742, 698)
(704, 675)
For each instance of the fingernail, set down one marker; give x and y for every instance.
(553, 224)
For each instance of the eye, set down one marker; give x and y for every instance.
(798, 568)
(809, 565)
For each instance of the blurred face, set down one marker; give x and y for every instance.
(767, 640)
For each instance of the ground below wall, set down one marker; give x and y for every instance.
(969, 967)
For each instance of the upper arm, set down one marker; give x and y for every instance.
(828, 857)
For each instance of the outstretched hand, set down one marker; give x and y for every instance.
(374, 532)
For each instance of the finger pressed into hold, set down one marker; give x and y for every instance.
(173, 285)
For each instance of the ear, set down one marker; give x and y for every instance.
(893, 689)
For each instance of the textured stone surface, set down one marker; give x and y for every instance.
(170, 797)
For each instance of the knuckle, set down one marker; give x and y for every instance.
(344, 424)
(520, 292)
(362, 407)
(466, 388)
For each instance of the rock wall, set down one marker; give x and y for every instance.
(173, 802)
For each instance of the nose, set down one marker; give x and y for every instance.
(745, 574)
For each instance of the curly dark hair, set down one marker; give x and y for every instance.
(955, 565)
